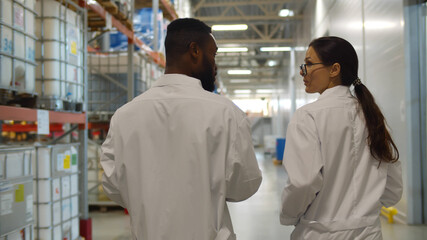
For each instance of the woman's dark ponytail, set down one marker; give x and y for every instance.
(337, 50)
(380, 142)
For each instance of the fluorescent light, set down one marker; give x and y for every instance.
(379, 25)
(239, 72)
(372, 25)
(239, 80)
(242, 91)
(272, 63)
(264, 90)
(275, 49)
(233, 49)
(300, 49)
(286, 13)
(91, 2)
(235, 27)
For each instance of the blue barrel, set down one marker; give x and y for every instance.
(280, 148)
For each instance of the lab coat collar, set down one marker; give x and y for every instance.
(177, 79)
(337, 91)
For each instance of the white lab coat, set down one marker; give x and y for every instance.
(335, 188)
(174, 155)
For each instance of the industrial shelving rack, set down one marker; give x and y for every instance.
(102, 19)
(76, 120)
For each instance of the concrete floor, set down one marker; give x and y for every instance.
(254, 219)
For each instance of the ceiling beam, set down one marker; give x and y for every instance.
(249, 57)
(256, 41)
(241, 3)
(267, 18)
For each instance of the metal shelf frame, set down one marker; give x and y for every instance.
(78, 119)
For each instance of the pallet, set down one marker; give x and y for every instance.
(114, 10)
(13, 98)
(104, 206)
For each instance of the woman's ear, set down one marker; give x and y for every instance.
(335, 70)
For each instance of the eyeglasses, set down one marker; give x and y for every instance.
(303, 67)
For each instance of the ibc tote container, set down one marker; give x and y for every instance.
(17, 46)
(60, 52)
(56, 199)
(16, 193)
(113, 65)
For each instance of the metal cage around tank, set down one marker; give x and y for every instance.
(60, 55)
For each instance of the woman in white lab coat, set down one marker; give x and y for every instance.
(341, 161)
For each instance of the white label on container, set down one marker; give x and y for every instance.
(6, 201)
(73, 39)
(15, 165)
(60, 162)
(18, 15)
(42, 122)
(29, 205)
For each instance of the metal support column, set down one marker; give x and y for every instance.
(292, 87)
(155, 25)
(415, 95)
(131, 87)
(85, 221)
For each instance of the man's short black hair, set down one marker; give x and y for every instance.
(181, 32)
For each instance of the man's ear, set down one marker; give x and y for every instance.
(335, 70)
(194, 50)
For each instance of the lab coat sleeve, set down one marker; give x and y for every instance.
(394, 187)
(243, 176)
(108, 162)
(303, 164)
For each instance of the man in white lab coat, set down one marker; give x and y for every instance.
(175, 154)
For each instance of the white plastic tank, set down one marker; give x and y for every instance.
(16, 192)
(17, 45)
(60, 52)
(56, 198)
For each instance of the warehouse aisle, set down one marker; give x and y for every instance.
(258, 217)
(254, 219)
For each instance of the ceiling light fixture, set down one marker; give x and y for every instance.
(234, 27)
(265, 91)
(239, 72)
(300, 49)
(286, 13)
(232, 49)
(239, 80)
(242, 91)
(275, 49)
(272, 63)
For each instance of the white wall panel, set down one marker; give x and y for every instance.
(385, 70)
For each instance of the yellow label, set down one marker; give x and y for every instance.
(67, 162)
(74, 47)
(19, 192)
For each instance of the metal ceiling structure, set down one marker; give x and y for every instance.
(265, 29)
